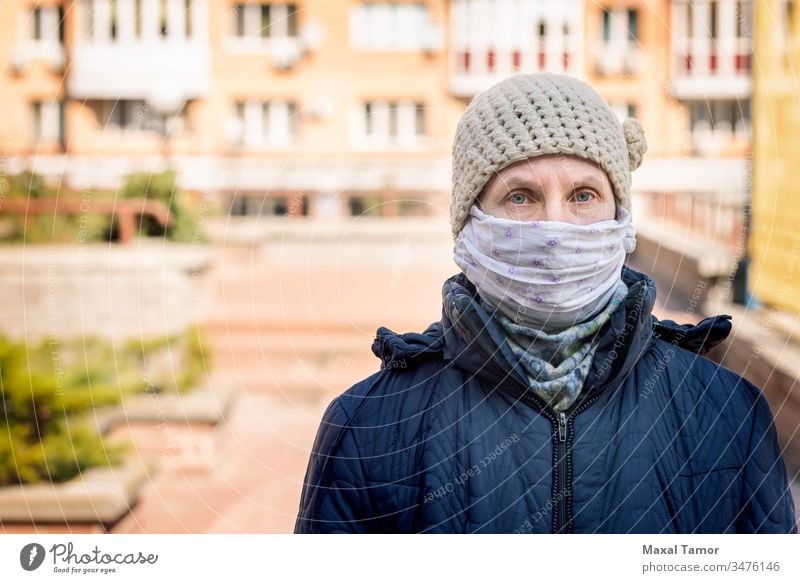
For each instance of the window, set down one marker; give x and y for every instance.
(713, 24)
(419, 128)
(252, 204)
(619, 51)
(47, 122)
(263, 21)
(742, 20)
(117, 20)
(373, 204)
(618, 22)
(395, 123)
(238, 206)
(187, 10)
(134, 115)
(390, 25)
(606, 25)
(47, 24)
(633, 25)
(163, 17)
(724, 115)
(264, 124)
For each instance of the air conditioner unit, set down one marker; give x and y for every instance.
(433, 40)
(286, 53)
(18, 61)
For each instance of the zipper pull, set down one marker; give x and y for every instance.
(562, 426)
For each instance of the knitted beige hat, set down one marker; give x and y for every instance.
(532, 115)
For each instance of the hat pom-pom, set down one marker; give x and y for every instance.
(634, 138)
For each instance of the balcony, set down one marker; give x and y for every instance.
(144, 49)
(49, 52)
(618, 59)
(705, 71)
(139, 70)
(477, 69)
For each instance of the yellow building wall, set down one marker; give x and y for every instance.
(774, 244)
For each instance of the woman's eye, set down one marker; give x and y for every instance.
(584, 196)
(517, 198)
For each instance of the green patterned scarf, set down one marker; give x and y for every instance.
(557, 364)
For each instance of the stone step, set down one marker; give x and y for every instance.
(255, 487)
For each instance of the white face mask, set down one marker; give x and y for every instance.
(545, 274)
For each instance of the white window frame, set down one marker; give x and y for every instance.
(401, 115)
(264, 125)
(254, 39)
(391, 26)
(47, 117)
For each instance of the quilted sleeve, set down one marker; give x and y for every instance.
(767, 505)
(334, 498)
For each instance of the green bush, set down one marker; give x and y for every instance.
(92, 226)
(173, 363)
(184, 226)
(49, 391)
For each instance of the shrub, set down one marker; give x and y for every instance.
(162, 187)
(48, 392)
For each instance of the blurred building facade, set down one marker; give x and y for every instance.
(348, 107)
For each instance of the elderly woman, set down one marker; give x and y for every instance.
(548, 398)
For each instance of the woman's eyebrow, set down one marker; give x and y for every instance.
(589, 180)
(514, 181)
(519, 181)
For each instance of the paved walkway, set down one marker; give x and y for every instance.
(252, 479)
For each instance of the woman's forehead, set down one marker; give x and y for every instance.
(535, 169)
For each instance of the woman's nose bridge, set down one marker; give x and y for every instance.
(554, 201)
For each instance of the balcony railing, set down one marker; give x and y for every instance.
(474, 70)
(50, 52)
(618, 59)
(705, 70)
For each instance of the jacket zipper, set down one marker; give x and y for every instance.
(560, 524)
(562, 471)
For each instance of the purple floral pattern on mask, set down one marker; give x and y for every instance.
(548, 266)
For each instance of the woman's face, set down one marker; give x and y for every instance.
(553, 187)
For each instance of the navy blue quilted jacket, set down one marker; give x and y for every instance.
(446, 437)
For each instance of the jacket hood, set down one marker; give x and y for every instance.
(469, 336)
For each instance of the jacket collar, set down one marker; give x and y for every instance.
(468, 336)
(475, 342)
